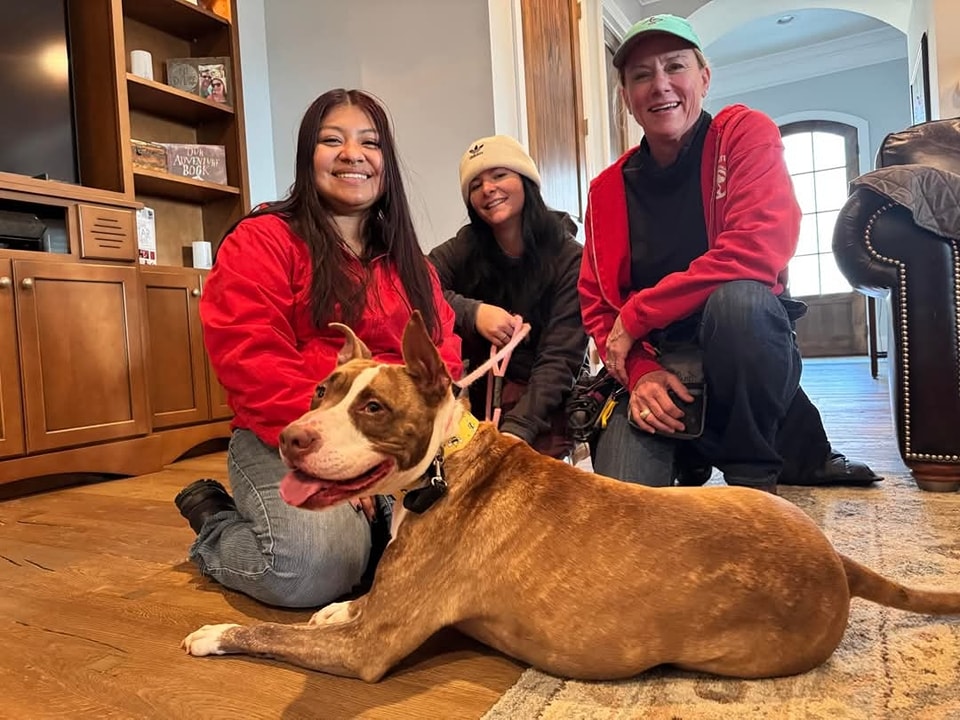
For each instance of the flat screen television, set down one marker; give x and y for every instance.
(37, 125)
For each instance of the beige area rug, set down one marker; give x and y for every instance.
(891, 664)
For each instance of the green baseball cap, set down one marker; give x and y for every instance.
(670, 24)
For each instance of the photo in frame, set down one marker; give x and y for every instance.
(920, 84)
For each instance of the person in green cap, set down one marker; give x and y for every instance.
(688, 237)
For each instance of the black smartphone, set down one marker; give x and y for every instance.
(694, 413)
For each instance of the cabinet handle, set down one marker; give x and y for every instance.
(5, 282)
(195, 292)
(26, 283)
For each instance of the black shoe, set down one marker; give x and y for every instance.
(692, 475)
(838, 470)
(202, 499)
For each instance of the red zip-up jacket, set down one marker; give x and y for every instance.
(258, 330)
(753, 226)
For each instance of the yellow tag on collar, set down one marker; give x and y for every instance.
(466, 429)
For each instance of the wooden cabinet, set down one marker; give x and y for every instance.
(11, 414)
(183, 386)
(219, 409)
(176, 363)
(81, 355)
(102, 364)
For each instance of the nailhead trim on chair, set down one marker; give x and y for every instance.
(904, 340)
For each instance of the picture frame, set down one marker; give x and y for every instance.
(920, 84)
(208, 77)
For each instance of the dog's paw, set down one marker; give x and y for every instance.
(332, 614)
(206, 640)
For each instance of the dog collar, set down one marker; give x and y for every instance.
(466, 429)
(421, 499)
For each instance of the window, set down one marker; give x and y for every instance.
(822, 157)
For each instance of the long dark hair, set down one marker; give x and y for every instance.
(387, 230)
(518, 287)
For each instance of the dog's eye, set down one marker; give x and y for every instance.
(373, 407)
(318, 396)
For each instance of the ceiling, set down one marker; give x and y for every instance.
(761, 36)
(764, 36)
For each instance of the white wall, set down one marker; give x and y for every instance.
(945, 58)
(940, 19)
(428, 60)
(877, 93)
(256, 101)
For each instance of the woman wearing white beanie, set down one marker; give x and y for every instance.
(514, 258)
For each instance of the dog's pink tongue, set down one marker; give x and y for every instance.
(296, 490)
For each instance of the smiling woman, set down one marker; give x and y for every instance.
(688, 237)
(340, 248)
(516, 261)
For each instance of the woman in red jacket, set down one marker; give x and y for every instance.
(341, 247)
(688, 240)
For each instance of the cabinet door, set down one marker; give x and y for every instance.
(81, 354)
(219, 408)
(177, 365)
(11, 413)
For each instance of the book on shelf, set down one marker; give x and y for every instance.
(207, 77)
(148, 155)
(200, 162)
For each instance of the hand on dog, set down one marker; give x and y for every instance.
(496, 324)
(368, 505)
(650, 393)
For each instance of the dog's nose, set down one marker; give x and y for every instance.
(297, 440)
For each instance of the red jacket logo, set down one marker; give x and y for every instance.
(721, 179)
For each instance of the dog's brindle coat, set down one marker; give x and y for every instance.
(576, 574)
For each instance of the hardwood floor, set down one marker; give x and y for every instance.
(97, 594)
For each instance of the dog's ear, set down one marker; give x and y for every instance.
(353, 348)
(422, 358)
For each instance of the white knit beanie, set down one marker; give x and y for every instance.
(497, 151)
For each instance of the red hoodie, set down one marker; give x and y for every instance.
(262, 342)
(753, 226)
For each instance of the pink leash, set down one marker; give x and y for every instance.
(497, 365)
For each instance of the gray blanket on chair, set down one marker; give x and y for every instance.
(930, 194)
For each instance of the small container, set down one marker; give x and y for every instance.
(202, 255)
(141, 64)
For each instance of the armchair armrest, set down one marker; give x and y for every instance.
(880, 250)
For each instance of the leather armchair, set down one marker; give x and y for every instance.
(897, 239)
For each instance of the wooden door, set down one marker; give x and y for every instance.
(11, 411)
(555, 123)
(835, 325)
(81, 353)
(176, 363)
(219, 409)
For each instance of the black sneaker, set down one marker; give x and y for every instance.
(692, 475)
(202, 499)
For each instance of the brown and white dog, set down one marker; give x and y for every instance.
(576, 574)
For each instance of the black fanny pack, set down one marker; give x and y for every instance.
(686, 362)
(587, 399)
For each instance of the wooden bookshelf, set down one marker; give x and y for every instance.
(162, 184)
(169, 102)
(175, 17)
(102, 366)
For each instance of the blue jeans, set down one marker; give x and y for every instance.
(272, 551)
(752, 368)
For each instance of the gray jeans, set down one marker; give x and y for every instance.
(272, 551)
(752, 367)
